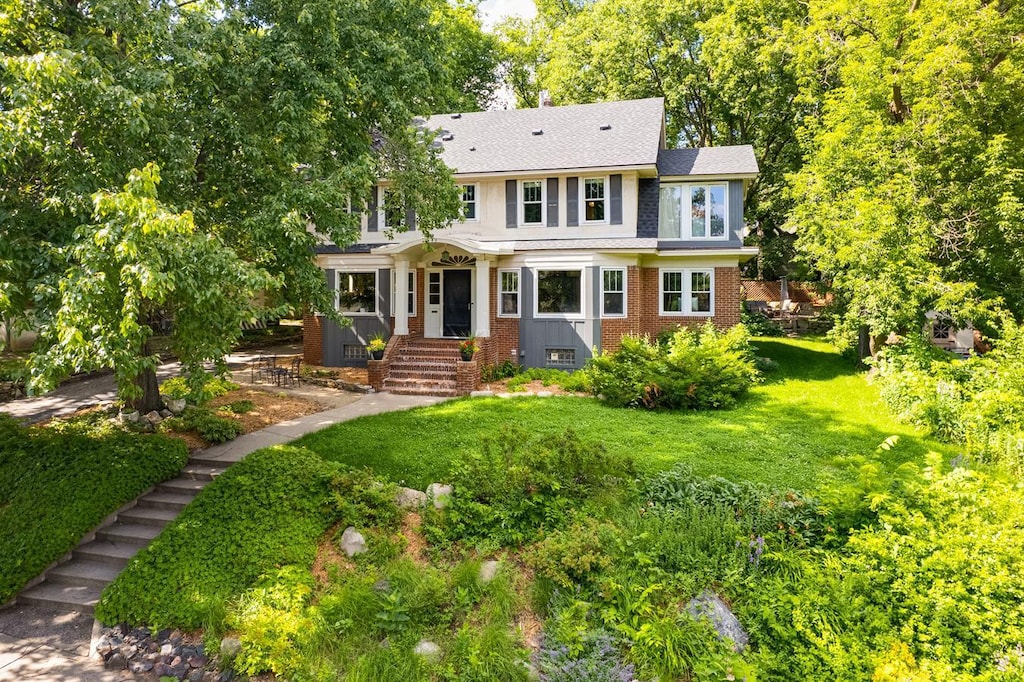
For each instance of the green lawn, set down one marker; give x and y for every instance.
(789, 432)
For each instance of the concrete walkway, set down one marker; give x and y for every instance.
(43, 643)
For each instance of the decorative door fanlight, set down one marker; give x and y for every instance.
(447, 259)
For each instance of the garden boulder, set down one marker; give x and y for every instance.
(440, 494)
(427, 650)
(407, 498)
(352, 542)
(709, 605)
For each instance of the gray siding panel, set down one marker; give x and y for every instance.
(371, 210)
(363, 327)
(572, 201)
(511, 204)
(736, 211)
(595, 277)
(410, 219)
(615, 205)
(552, 202)
(536, 335)
(647, 208)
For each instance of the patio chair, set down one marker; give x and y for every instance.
(262, 367)
(284, 376)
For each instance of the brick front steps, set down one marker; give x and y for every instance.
(76, 582)
(424, 367)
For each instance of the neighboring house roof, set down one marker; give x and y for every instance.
(799, 292)
(735, 160)
(603, 135)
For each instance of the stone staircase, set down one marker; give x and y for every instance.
(424, 367)
(76, 583)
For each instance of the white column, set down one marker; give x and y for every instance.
(483, 298)
(401, 298)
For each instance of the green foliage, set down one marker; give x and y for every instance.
(759, 324)
(207, 423)
(692, 370)
(503, 370)
(268, 510)
(978, 402)
(13, 368)
(56, 486)
(240, 406)
(212, 387)
(570, 381)
(514, 486)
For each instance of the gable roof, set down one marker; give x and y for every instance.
(734, 160)
(602, 135)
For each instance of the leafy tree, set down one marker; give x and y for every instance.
(911, 196)
(265, 118)
(726, 69)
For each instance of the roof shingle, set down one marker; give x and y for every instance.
(735, 160)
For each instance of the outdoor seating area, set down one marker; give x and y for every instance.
(280, 370)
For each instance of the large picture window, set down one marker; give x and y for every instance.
(357, 292)
(593, 200)
(687, 292)
(613, 292)
(508, 296)
(533, 202)
(559, 292)
(693, 212)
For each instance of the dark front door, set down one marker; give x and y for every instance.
(457, 307)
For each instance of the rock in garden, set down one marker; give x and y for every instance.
(352, 542)
(129, 417)
(407, 498)
(230, 647)
(176, 406)
(154, 417)
(140, 665)
(709, 605)
(488, 570)
(427, 650)
(164, 414)
(544, 394)
(194, 676)
(440, 493)
(166, 650)
(116, 662)
(481, 394)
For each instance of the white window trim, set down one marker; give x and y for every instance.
(583, 200)
(625, 299)
(687, 293)
(382, 216)
(543, 203)
(519, 293)
(376, 292)
(476, 200)
(686, 212)
(559, 316)
(394, 292)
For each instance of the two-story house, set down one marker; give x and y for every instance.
(580, 226)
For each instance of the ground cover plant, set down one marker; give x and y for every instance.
(787, 432)
(57, 483)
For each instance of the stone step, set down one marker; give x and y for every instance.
(161, 500)
(148, 516)
(81, 598)
(117, 553)
(128, 532)
(84, 572)
(201, 472)
(182, 486)
(436, 374)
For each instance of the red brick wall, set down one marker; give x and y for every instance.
(467, 376)
(614, 328)
(727, 305)
(312, 339)
(504, 330)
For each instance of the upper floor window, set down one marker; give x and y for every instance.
(559, 292)
(357, 292)
(693, 212)
(594, 200)
(469, 202)
(393, 212)
(532, 208)
(686, 292)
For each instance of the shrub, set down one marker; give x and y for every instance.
(599, 661)
(570, 381)
(240, 406)
(503, 370)
(208, 424)
(690, 370)
(199, 389)
(517, 485)
(56, 486)
(759, 324)
(268, 510)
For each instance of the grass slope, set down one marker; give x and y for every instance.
(788, 432)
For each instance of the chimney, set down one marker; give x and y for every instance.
(545, 99)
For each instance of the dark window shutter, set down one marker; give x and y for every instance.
(552, 202)
(572, 201)
(511, 209)
(371, 211)
(410, 219)
(615, 207)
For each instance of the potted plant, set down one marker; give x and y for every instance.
(376, 346)
(467, 348)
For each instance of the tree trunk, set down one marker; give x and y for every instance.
(150, 398)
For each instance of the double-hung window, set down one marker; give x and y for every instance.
(469, 202)
(357, 292)
(686, 292)
(508, 294)
(559, 293)
(693, 212)
(412, 292)
(532, 208)
(594, 200)
(613, 292)
(392, 212)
